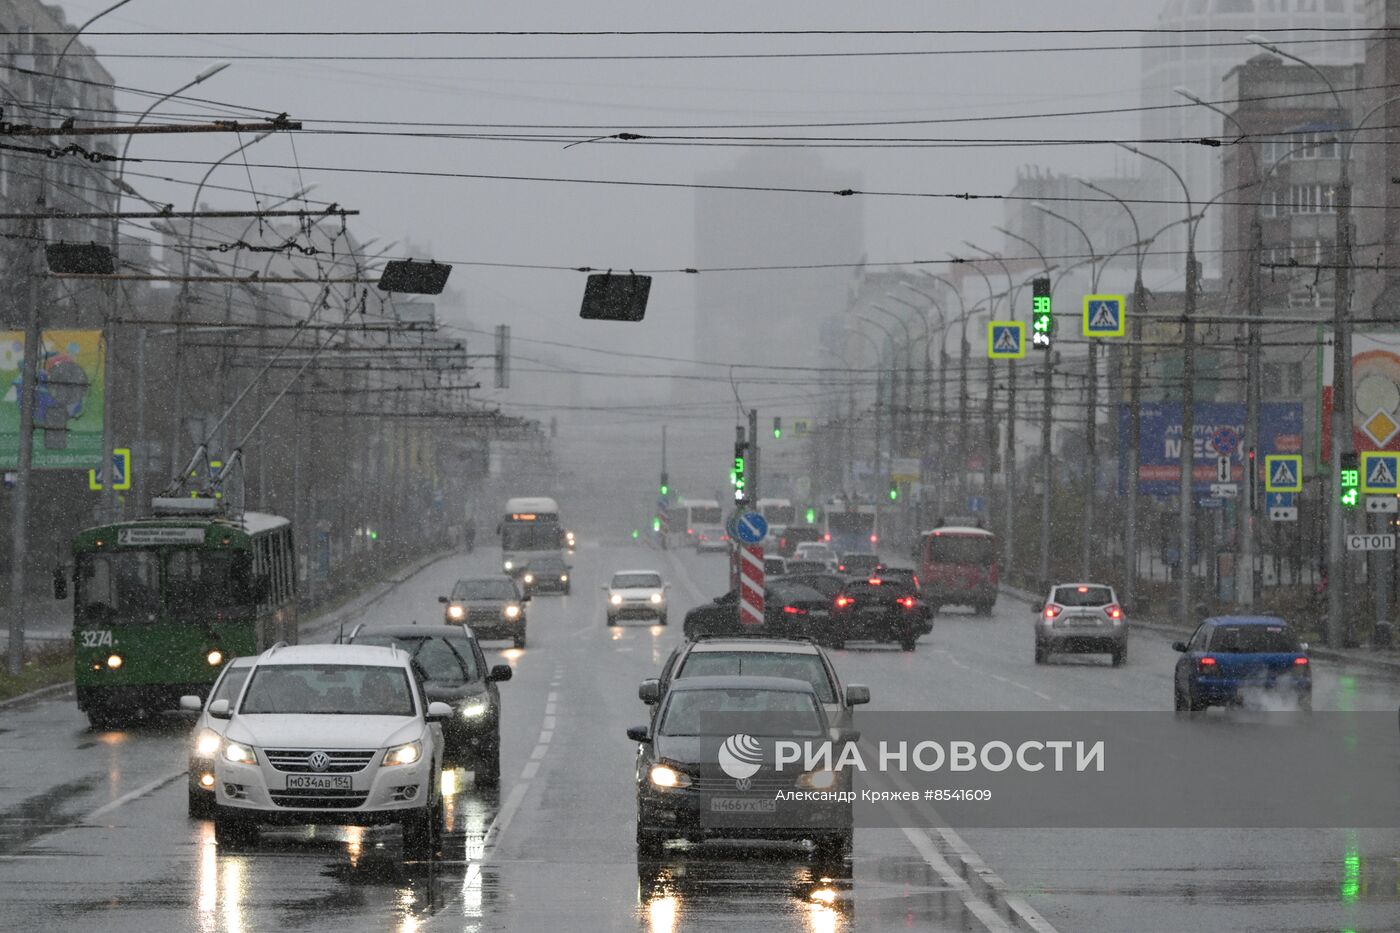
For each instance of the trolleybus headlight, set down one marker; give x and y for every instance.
(510, 565)
(239, 754)
(512, 612)
(114, 661)
(529, 578)
(207, 744)
(215, 658)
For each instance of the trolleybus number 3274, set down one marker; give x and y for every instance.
(96, 638)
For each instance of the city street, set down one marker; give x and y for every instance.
(93, 831)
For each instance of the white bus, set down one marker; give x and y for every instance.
(689, 515)
(530, 529)
(780, 513)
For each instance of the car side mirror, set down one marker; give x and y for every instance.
(604, 588)
(443, 599)
(439, 712)
(845, 736)
(525, 598)
(220, 709)
(500, 673)
(649, 691)
(1178, 646)
(60, 583)
(189, 703)
(639, 734)
(857, 694)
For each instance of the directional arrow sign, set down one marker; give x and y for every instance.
(751, 527)
(1283, 473)
(1104, 316)
(1380, 471)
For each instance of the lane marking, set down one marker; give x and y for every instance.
(539, 752)
(549, 709)
(530, 770)
(979, 908)
(548, 723)
(141, 791)
(545, 736)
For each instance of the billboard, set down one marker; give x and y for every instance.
(1217, 424)
(1375, 382)
(68, 400)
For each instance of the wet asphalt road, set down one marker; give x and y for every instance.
(93, 832)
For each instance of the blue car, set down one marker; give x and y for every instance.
(1231, 657)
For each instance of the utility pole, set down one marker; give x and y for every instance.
(1010, 464)
(1249, 507)
(753, 471)
(1047, 466)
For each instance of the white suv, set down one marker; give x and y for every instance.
(338, 734)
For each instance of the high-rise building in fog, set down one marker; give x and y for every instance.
(772, 317)
(1198, 60)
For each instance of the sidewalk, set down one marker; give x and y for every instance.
(1377, 659)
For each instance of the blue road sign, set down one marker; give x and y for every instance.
(1225, 441)
(1006, 340)
(751, 528)
(1103, 316)
(1380, 472)
(976, 504)
(1283, 473)
(1211, 502)
(1278, 500)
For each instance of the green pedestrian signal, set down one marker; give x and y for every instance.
(1350, 481)
(1042, 320)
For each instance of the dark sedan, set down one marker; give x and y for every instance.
(789, 610)
(493, 606)
(686, 784)
(546, 575)
(454, 672)
(880, 609)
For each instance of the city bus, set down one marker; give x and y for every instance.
(530, 529)
(687, 515)
(160, 603)
(851, 529)
(780, 514)
(958, 565)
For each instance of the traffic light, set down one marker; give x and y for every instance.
(811, 516)
(741, 479)
(894, 491)
(635, 534)
(665, 486)
(656, 523)
(1350, 480)
(1042, 320)
(777, 428)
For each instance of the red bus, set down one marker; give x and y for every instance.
(958, 567)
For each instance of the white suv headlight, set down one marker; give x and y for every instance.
(405, 754)
(615, 599)
(239, 754)
(656, 598)
(207, 744)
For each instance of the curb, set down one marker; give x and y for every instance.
(36, 694)
(1324, 654)
(988, 885)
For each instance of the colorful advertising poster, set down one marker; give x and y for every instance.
(1375, 384)
(1218, 432)
(67, 403)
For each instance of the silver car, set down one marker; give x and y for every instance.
(208, 734)
(1081, 617)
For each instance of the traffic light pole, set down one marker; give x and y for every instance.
(752, 487)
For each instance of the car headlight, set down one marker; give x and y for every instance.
(563, 578)
(656, 598)
(615, 599)
(405, 754)
(456, 612)
(475, 709)
(215, 657)
(662, 776)
(818, 780)
(207, 743)
(511, 612)
(529, 578)
(239, 754)
(510, 565)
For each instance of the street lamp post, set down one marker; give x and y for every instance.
(964, 350)
(893, 403)
(1188, 391)
(900, 431)
(988, 403)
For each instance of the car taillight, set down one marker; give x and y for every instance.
(841, 567)
(906, 601)
(874, 539)
(1052, 611)
(843, 601)
(794, 611)
(875, 581)
(1300, 660)
(826, 537)
(1207, 665)
(1114, 611)
(690, 531)
(916, 581)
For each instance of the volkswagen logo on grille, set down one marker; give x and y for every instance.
(743, 784)
(318, 761)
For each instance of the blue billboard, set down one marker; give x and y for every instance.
(1218, 431)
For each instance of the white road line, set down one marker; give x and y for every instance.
(530, 770)
(549, 709)
(1018, 905)
(552, 697)
(979, 908)
(545, 736)
(548, 723)
(539, 752)
(141, 791)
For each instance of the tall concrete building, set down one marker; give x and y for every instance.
(772, 317)
(1198, 60)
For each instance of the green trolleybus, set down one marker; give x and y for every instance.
(160, 603)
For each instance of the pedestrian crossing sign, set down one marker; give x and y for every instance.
(121, 472)
(1006, 340)
(1104, 316)
(1380, 472)
(1283, 473)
